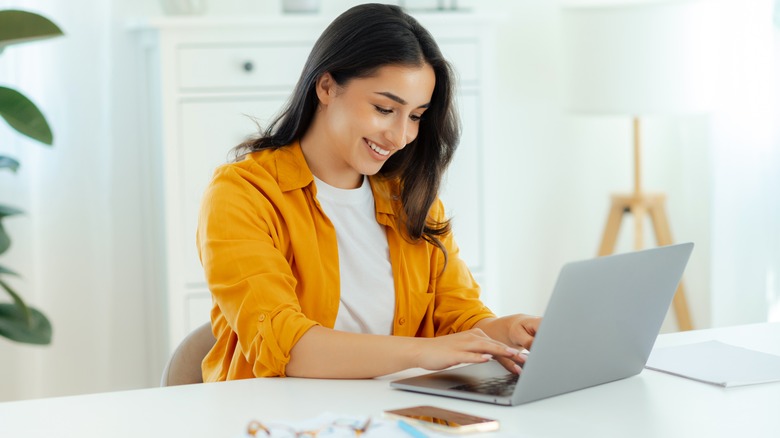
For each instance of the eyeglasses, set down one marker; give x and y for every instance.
(336, 429)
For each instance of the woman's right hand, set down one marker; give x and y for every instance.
(470, 346)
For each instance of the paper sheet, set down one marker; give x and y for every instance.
(380, 428)
(717, 363)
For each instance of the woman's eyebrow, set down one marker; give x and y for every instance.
(398, 99)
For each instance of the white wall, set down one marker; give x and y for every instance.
(746, 164)
(81, 247)
(555, 170)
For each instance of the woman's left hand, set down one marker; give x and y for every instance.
(517, 331)
(522, 329)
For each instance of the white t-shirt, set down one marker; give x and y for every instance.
(367, 301)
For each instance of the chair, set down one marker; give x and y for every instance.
(183, 367)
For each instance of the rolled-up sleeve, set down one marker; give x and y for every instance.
(241, 244)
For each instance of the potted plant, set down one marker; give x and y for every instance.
(18, 321)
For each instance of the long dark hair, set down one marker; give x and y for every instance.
(355, 45)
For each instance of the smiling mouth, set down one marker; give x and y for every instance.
(374, 147)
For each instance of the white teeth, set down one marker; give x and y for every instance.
(377, 149)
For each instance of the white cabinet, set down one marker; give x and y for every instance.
(208, 78)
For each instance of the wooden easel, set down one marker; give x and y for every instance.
(642, 205)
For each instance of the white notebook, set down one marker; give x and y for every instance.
(717, 363)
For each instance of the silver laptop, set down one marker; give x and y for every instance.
(600, 325)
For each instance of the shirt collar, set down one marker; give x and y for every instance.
(294, 173)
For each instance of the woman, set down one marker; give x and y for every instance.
(325, 247)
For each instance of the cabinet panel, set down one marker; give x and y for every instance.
(206, 77)
(208, 129)
(241, 67)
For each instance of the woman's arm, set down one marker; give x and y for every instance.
(517, 331)
(325, 353)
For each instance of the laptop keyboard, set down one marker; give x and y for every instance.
(501, 386)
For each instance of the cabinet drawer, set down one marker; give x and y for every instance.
(257, 67)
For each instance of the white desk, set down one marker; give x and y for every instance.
(651, 404)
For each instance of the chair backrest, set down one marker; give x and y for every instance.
(184, 367)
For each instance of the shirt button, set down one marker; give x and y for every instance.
(261, 318)
(401, 320)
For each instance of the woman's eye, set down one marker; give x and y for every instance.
(383, 110)
(415, 118)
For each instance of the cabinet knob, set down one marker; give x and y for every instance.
(248, 66)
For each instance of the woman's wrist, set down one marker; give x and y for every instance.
(493, 327)
(413, 348)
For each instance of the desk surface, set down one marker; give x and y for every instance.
(651, 404)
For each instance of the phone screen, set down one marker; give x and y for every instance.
(445, 419)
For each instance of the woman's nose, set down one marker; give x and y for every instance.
(398, 134)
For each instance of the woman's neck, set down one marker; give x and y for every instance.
(324, 163)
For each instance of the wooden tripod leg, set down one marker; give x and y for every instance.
(639, 211)
(664, 237)
(612, 228)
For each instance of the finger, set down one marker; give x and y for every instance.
(474, 357)
(499, 350)
(510, 365)
(481, 343)
(522, 357)
(522, 337)
(525, 340)
(531, 328)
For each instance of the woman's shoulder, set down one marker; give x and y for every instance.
(261, 160)
(251, 168)
(282, 167)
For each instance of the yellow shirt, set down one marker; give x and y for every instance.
(271, 263)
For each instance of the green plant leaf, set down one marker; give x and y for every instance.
(18, 321)
(21, 26)
(4, 270)
(14, 327)
(8, 211)
(5, 239)
(24, 311)
(8, 163)
(24, 116)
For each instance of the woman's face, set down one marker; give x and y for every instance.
(360, 125)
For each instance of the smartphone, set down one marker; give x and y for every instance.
(444, 419)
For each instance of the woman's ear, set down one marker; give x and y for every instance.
(326, 88)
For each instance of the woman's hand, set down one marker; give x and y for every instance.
(516, 331)
(471, 346)
(522, 330)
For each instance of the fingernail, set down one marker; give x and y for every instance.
(487, 356)
(513, 351)
(518, 369)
